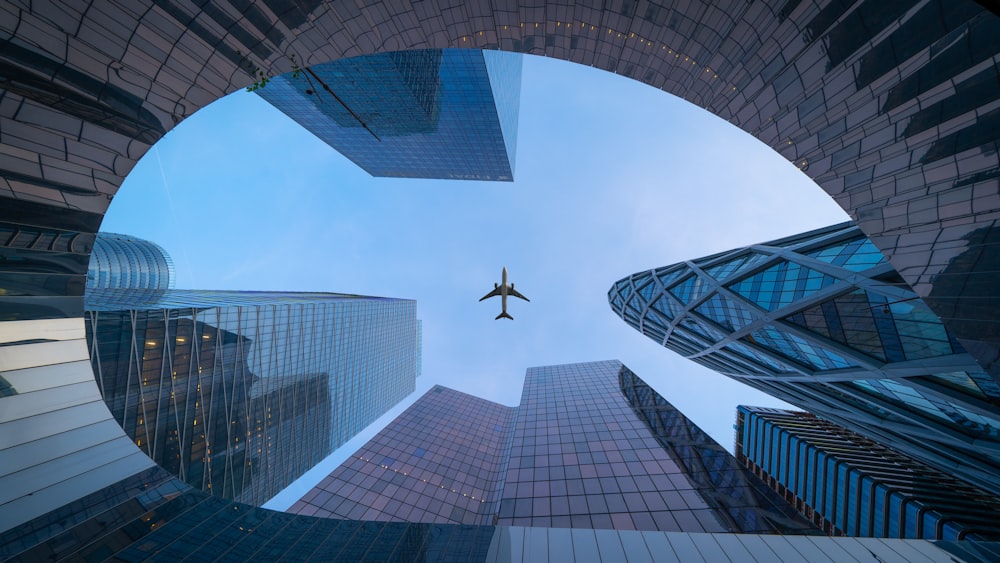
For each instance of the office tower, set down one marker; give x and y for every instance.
(850, 485)
(886, 105)
(239, 393)
(126, 262)
(590, 446)
(823, 321)
(442, 460)
(432, 113)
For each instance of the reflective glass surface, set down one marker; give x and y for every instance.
(590, 446)
(889, 106)
(442, 460)
(127, 262)
(595, 447)
(781, 284)
(448, 114)
(238, 393)
(822, 321)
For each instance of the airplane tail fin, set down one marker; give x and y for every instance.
(503, 315)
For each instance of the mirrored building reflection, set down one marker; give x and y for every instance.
(431, 113)
(824, 322)
(239, 393)
(442, 460)
(590, 446)
(851, 485)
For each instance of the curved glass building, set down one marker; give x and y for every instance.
(128, 262)
(823, 321)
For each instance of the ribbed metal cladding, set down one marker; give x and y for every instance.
(851, 485)
(124, 261)
(822, 321)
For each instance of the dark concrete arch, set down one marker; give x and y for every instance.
(893, 107)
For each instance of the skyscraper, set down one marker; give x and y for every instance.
(822, 321)
(442, 460)
(239, 393)
(433, 113)
(887, 105)
(591, 446)
(124, 261)
(849, 484)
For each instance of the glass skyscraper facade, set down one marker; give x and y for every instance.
(851, 485)
(239, 393)
(124, 261)
(442, 460)
(590, 446)
(823, 321)
(889, 106)
(433, 113)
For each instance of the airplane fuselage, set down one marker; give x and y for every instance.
(503, 289)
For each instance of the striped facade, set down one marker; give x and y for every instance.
(123, 262)
(851, 485)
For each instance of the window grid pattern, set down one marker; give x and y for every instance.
(942, 123)
(586, 454)
(797, 349)
(239, 400)
(725, 270)
(440, 461)
(725, 312)
(433, 113)
(942, 409)
(871, 323)
(808, 351)
(759, 358)
(977, 382)
(880, 492)
(781, 284)
(856, 255)
(690, 289)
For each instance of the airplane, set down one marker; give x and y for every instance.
(503, 290)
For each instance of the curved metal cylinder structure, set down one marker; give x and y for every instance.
(127, 262)
(891, 106)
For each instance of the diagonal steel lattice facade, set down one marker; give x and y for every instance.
(823, 321)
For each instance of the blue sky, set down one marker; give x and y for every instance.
(613, 177)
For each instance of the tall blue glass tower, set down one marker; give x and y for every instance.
(444, 114)
(823, 321)
(240, 393)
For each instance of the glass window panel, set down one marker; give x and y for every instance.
(781, 284)
(795, 348)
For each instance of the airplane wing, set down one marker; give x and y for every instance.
(494, 293)
(512, 291)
